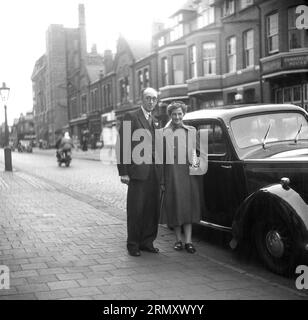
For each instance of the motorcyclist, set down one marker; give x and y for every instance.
(66, 144)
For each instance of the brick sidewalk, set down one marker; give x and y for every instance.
(59, 247)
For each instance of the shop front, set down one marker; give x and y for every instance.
(287, 74)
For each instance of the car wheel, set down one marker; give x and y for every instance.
(275, 243)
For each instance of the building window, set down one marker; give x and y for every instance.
(146, 76)
(231, 97)
(161, 41)
(249, 96)
(73, 108)
(246, 3)
(165, 75)
(231, 54)
(228, 8)
(84, 103)
(248, 49)
(124, 89)
(104, 98)
(297, 94)
(292, 94)
(287, 94)
(178, 69)
(192, 62)
(140, 82)
(177, 32)
(109, 97)
(272, 33)
(278, 96)
(206, 16)
(94, 100)
(209, 58)
(296, 36)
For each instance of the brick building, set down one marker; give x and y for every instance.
(212, 52)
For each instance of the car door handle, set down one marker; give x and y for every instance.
(226, 166)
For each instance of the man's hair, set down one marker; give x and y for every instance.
(143, 91)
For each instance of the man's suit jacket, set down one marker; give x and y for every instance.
(134, 170)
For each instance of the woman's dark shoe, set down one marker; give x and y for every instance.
(178, 246)
(190, 248)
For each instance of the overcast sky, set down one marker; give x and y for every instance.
(23, 24)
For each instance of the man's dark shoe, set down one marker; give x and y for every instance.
(134, 252)
(150, 249)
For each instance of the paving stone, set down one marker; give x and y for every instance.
(52, 295)
(65, 284)
(84, 291)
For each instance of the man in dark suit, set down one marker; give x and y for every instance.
(142, 178)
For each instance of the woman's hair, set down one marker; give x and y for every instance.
(175, 105)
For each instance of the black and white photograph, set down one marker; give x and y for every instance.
(154, 152)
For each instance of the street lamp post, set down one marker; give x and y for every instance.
(4, 93)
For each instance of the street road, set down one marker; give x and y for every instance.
(98, 184)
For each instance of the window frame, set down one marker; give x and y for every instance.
(270, 36)
(248, 50)
(210, 59)
(165, 71)
(231, 55)
(193, 70)
(174, 70)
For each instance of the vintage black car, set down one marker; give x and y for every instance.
(256, 185)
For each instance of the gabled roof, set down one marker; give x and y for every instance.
(139, 48)
(94, 65)
(39, 64)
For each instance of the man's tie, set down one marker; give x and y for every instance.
(150, 120)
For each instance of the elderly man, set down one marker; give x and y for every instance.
(142, 179)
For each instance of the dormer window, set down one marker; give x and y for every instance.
(206, 16)
(161, 41)
(228, 8)
(246, 3)
(177, 32)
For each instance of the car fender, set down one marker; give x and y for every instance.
(293, 209)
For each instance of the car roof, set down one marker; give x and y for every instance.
(229, 111)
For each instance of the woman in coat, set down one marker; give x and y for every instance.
(181, 203)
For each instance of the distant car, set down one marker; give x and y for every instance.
(256, 185)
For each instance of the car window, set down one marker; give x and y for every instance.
(216, 139)
(274, 127)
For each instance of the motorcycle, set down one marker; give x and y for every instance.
(64, 157)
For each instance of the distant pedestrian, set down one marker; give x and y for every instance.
(142, 180)
(181, 203)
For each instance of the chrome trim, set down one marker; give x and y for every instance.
(215, 226)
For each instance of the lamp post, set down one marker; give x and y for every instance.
(4, 93)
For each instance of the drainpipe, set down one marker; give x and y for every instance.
(260, 52)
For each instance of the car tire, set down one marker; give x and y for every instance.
(275, 244)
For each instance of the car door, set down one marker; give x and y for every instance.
(223, 184)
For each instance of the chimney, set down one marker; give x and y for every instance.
(94, 49)
(108, 60)
(82, 31)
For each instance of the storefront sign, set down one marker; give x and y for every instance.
(295, 61)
